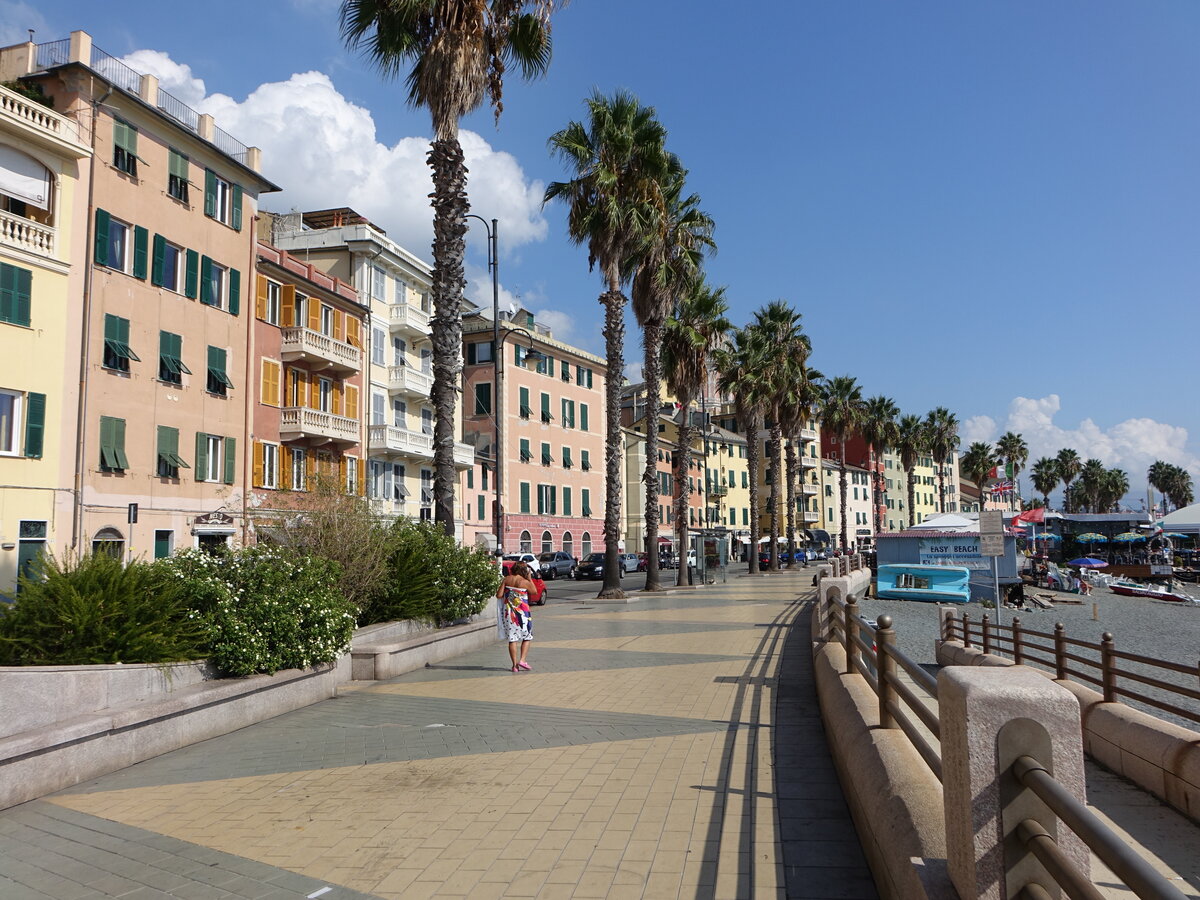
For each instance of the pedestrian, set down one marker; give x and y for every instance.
(516, 624)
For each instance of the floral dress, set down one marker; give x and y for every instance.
(518, 624)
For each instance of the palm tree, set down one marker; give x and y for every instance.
(665, 264)
(943, 440)
(691, 335)
(1015, 452)
(797, 411)
(458, 51)
(739, 367)
(878, 429)
(1068, 468)
(912, 440)
(782, 346)
(619, 163)
(978, 460)
(1113, 486)
(1174, 482)
(842, 407)
(1091, 476)
(1159, 476)
(1045, 477)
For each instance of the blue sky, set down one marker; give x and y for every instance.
(990, 207)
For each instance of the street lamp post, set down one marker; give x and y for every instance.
(493, 256)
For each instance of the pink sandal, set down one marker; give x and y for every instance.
(515, 669)
(524, 665)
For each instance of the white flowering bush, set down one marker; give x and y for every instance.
(265, 608)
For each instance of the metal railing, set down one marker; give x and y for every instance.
(178, 110)
(1063, 655)
(53, 53)
(116, 71)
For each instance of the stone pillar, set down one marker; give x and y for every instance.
(81, 47)
(254, 158)
(204, 126)
(989, 717)
(148, 90)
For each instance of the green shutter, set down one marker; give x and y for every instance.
(236, 220)
(107, 458)
(35, 424)
(210, 193)
(517, 354)
(178, 165)
(546, 457)
(586, 501)
(481, 509)
(141, 239)
(545, 406)
(101, 242)
(483, 399)
(589, 378)
(191, 274)
(525, 454)
(541, 500)
(216, 366)
(471, 354)
(566, 500)
(566, 457)
(16, 287)
(583, 416)
(230, 459)
(201, 455)
(235, 292)
(524, 401)
(119, 443)
(553, 500)
(524, 497)
(206, 296)
(156, 261)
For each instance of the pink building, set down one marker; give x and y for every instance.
(548, 414)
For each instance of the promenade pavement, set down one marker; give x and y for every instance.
(668, 748)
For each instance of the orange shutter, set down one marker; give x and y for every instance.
(270, 382)
(362, 478)
(258, 464)
(310, 468)
(314, 314)
(314, 393)
(260, 298)
(339, 325)
(342, 462)
(352, 332)
(351, 405)
(337, 398)
(287, 294)
(285, 468)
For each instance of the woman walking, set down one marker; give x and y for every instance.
(515, 620)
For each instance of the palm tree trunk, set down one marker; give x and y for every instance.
(912, 498)
(752, 465)
(790, 499)
(652, 373)
(877, 499)
(450, 206)
(942, 487)
(614, 341)
(683, 467)
(776, 447)
(842, 489)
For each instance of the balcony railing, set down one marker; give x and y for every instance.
(389, 438)
(299, 421)
(808, 434)
(811, 489)
(809, 462)
(408, 380)
(464, 456)
(409, 318)
(308, 344)
(810, 517)
(25, 234)
(31, 114)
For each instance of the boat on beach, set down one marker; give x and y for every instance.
(927, 584)
(1154, 592)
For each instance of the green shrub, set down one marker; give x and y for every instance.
(433, 579)
(267, 608)
(93, 610)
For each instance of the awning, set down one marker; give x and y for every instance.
(820, 536)
(24, 178)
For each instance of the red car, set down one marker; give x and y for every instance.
(537, 599)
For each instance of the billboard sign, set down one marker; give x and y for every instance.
(952, 551)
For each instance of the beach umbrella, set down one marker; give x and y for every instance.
(1129, 537)
(1048, 536)
(1087, 562)
(1176, 535)
(1091, 537)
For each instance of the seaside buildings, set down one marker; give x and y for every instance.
(44, 167)
(535, 410)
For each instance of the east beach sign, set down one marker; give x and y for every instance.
(952, 551)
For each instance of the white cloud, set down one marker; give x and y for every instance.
(560, 323)
(323, 151)
(977, 428)
(1131, 445)
(16, 18)
(633, 372)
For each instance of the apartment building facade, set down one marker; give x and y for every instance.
(306, 424)
(540, 403)
(168, 257)
(860, 504)
(44, 171)
(925, 489)
(394, 285)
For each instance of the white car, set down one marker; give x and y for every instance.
(629, 562)
(528, 558)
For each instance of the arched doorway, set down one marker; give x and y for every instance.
(585, 546)
(547, 542)
(568, 544)
(526, 542)
(109, 540)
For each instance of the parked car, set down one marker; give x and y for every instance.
(528, 558)
(538, 598)
(629, 562)
(557, 565)
(593, 567)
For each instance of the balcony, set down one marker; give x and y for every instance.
(409, 319)
(464, 456)
(25, 234)
(297, 422)
(809, 462)
(718, 490)
(319, 351)
(407, 380)
(808, 434)
(399, 441)
(40, 124)
(810, 517)
(811, 489)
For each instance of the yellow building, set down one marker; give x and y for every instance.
(43, 225)
(925, 489)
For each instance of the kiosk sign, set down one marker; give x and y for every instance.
(991, 533)
(952, 551)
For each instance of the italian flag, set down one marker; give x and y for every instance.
(1004, 471)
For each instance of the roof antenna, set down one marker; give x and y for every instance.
(30, 30)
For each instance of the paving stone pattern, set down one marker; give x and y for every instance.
(668, 748)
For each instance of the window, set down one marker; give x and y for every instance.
(112, 242)
(110, 541)
(16, 290)
(268, 301)
(170, 358)
(566, 458)
(125, 157)
(399, 349)
(547, 456)
(526, 456)
(482, 501)
(351, 474)
(479, 353)
(399, 490)
(400, 414)
(222, 200)
(525, 410)
(177, 176)
(566, 372)
(401, 290)
(378, 405)
(585, 545)
(299, 469)
(426, 360)
(112, 445)
(586, 503)
(220, 287)
(568, 413)
(378, 283)
(168, 459)
(547, 499)
(426, 421)
(483, 399)
(14, 406)
(547, 542)
(585, 460)
(167, 265)
(327, 318)
(583, 417)
(566, 500)
(378, 345)
(271, 393)
(117, 352)
(164, 544)
(526, 542)
(218, 381)
(266, 463)
(547, 416)
(524, 497)
(426, 495)
(568, 543)
(325, 394)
